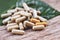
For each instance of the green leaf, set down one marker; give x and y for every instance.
(46, 11)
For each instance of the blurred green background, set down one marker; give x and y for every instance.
(6, 4)
(47, 11)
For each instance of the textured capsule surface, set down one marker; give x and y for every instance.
(18, 32)
(38, 27)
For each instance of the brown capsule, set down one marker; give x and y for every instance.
(41, 23)
(28, 24)
(21, 26)
(20, 19)
(38, 27)
(34, 20)
(18, 32)
(9, 28)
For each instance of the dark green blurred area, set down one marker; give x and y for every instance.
(6, 4)
(46, 11)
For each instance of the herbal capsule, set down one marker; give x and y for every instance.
(34, 20)
(20, 19)
(28, 24)
(41, 23)
(26, 6)
(38, 27)
(18, 32)
(19, 9)
(21, 26)
(12, 11)
(23, 13)
(9, 28)
(13, 18)
(6, 20)
(5, 15)
(11, 24)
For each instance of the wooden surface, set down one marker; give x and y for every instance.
(54, 3)
(51, 32)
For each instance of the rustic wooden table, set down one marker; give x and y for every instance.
(51, 32)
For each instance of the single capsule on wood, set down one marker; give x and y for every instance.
(34, 20)
(28, 24)
(9, 28)
(21, 26)
(6, 20)
(20, 19)
(18, 32)
(38, 27)
(13, 18)
(5, 15)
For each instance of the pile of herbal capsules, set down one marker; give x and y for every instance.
(19, 19)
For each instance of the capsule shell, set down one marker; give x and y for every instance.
(16, 13)
(38, 27)
(9, 28)
(11, 24)
(20, 19)
(28, 24)
(6, 20)
(18, 32)
(41, 23)
(5, 15)
(23, 13)
(26, 7)
(19, 9)
(13, 18)
(12, 11)
(34, 20)
(21, 26)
